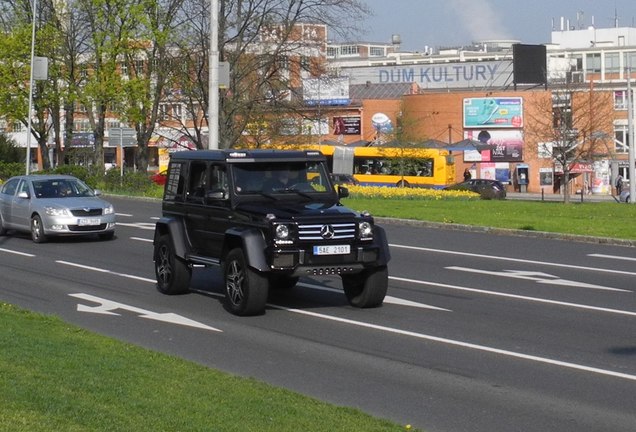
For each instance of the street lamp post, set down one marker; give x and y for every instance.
(28, 149)
(213, 90)
(632, 142)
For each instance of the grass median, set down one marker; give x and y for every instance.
(604, 219)
(57, 377)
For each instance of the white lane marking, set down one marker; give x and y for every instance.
(100, 270)
(616, 257)
(106, 307)
(387, 299)
(123, 214)
(539, 277)
(463, 344)
(435, 338)
(140, 225)
(155, 218)
(142, 239)
(515, 296)
(16, 252)
(544, 263)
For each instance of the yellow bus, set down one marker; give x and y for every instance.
(392, 166)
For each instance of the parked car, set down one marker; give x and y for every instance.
(51, 205)
(624, 196)
(159, 178)
(488, 189)
(344, 179)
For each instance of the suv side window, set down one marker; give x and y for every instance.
(175, 183)
(197, 185)
(218, 187)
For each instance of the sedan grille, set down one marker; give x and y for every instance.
(327, 231)
(87, 212)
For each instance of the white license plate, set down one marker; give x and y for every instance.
(332, 250)
(88, 221)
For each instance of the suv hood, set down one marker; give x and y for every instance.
(288, 210)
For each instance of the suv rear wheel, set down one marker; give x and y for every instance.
(367, 289)
(245, 289)
(173, 274)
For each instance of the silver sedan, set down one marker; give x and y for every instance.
(50, 205)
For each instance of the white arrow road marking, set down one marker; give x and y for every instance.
(107, 306)
(387, 299)
(539, 277)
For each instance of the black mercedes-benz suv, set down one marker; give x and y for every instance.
(267, 218)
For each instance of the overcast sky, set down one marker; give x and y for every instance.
(443, 23)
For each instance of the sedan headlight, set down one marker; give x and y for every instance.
(366, 230)
(56, 211)
(109, 210)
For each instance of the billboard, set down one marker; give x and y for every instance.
(503, 146)
(326, 91)
(493, 112)
(346, 125)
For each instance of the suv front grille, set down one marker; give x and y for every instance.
(341, 231)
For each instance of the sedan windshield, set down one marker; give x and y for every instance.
(61, 188)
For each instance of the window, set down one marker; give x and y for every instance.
(349, 50)
(621, 139)
(630, 60)
(612, 63)
(620, 100)
(593, 63)
(376, 52)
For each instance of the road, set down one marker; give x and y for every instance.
(480, 332)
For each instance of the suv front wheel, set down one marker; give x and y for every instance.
(367, 289)
(173, 275)
(245, 289)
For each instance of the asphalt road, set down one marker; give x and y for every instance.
(480, 332)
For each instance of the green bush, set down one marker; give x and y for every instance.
(10, 169)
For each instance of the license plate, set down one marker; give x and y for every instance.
(88, 221)
(332, 250)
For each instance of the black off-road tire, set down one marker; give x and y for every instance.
(172, 273)
(366, 289)
(245, 289)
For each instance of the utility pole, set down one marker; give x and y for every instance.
(213, 85)
(28, 149)
(632, 142)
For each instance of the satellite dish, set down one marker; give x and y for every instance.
(381, 122)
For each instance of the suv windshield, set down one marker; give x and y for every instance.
(280, 178)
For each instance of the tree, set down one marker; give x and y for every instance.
(571, 125)
(268, 56)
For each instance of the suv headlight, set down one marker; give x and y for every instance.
(109, 210)
(366, 230)
(282, 232)
(55, 211)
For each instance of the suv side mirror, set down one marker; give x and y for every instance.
(343, 192)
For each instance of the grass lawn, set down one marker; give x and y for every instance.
(57, 377)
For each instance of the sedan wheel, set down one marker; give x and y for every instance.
(37, 230)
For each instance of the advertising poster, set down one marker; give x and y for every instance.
(346, 125)
(493, 112)
(502, 146)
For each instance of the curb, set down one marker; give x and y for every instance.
(509, 232)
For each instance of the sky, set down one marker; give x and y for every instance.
(447, 23)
